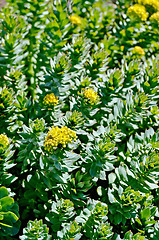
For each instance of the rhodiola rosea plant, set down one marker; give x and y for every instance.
(79, 117)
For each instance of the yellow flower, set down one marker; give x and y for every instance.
(138, 51)
(58, 137)
(155, 18)
(75, 20)
(150, 4)
(50, 100)
(4, 142)
(137, 12)
(91, 95)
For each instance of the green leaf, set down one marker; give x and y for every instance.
(118, 218)
(6, 203)
(11, 216)
(111, 177)
(5, 225)
(145, 214)
(3, 192)
(93, 170)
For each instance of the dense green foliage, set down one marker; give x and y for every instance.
(79, 117)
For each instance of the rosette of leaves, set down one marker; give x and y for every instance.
(147, 220)
(15, 79)
(142, 160)
(37, 125)
(58, 30)
(12, 27)
(79, 54)
(130, 236)
(77, 51)
(132, 113)
(5, 98)
(77, 188)
(53, 80)
(97, 17)
(12, 31)
(104, 232)
(98, 153)
(30, 144)
(150, 85)
(133, 206)
(98, 63)
(31, 169)
(141, 75)
(34, 195)
(93, 221)
(110, 88)
(125, 204)
(36, 230)
(55, 44)
(7, 109)
(74, 120)
(146, 223)
(9, 214)
(61, 211)
(35, 19)
(70, 231)
(24, 111)
(97, 216)
(155, 114)
(7, 165)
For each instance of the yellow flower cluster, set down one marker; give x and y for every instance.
(4, 142)
(150, 4)
(50, 100)
(75, 20)
(138, 12)
(91, 95)
(138, 51)
(58, 137)
(155, 18)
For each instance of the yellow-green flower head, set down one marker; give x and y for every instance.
(155, 18)
(5, 98)
(50, 100)
(100, 210)
(75, 19)
(67, 204)
(105, 231)
(4, 142)
(75, 119)
(137, 50)
(91, 96)
(38, 125)
(74, 228)
(138, 12)
(150, 4)
(58, 137)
